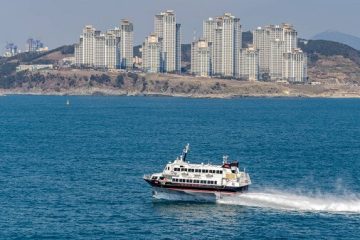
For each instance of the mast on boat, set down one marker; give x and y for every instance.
(184, 153)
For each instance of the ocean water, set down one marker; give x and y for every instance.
(75, 172)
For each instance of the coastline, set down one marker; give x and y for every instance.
(91, 82)
(107, 92)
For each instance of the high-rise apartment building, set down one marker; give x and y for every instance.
(261, 41)
(295, 66)
(151, 51)
(112, 44)
(99, 60)
(289, 37)
(200, 58)
(273, 43)
(276, 59)
(87, 43)
(111, 50)
(126, 44)
(169, 35)
(249, 64)
(224, 34)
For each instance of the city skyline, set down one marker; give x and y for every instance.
(38, 20)
(273, 55)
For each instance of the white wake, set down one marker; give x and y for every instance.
(289, 201)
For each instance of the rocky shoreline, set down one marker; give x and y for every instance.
(91, 82)
(111, 92)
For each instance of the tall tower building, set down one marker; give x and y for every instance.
(289, 37)
(273, 42)
(276, 59)
(224, 34)
(249, 67)
(200, 58)
(87, 40)
(295, 66)
(261, 41)
(99, 51)
(126, 44)
(168, 32)
(151, 51)
(78, 49)
(111, 50)
(209, 27)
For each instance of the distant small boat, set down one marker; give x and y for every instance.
(67, 102)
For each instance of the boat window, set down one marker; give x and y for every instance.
(168, 168)
(184, 169)
(215, 183)
(154, 178)
(211, 171)
(161, 178)
(203, 170)
(233, 171)
(203, 181)
(196, 181)
(206, 171)
(217, 172)
(221, 171)
(176, 169)
(191, 170)
(191, 180)
(187, 180)
(197, 170)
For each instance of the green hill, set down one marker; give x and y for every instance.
(316, 48)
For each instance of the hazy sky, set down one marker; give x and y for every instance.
(58, 22)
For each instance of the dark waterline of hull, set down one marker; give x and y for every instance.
(172, 186)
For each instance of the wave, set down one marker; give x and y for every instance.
(273, 199)
(295, 202)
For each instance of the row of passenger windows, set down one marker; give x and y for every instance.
(180, 180)
(197, 170)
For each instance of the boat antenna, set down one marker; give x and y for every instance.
(185, 151)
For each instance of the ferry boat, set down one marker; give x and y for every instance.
(185, 177)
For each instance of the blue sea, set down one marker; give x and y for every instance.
(75, 171)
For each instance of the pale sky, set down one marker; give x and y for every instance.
(59, 22)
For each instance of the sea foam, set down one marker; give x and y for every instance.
(296, 202)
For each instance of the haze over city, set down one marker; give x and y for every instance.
(60, 22)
